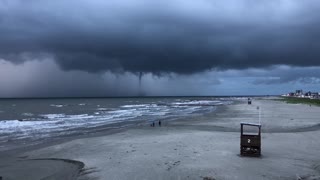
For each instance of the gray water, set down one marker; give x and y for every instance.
(35, 120)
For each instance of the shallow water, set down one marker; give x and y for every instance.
(34, 120)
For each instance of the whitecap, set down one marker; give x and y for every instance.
(52, 116)
(27, 114)
(103, 109)
(57, 105)
(135, 106)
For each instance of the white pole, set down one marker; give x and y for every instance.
(259, 115)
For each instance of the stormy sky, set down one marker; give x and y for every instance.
(176, 47)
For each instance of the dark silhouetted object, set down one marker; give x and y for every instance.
(159, 123)
(250, 143)
(249, 101)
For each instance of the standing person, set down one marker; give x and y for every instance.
(159, 122)
(152, 123)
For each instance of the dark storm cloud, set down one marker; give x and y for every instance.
(180, 36)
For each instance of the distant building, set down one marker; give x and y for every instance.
(315, 95)
(299, 93)
(308, 94)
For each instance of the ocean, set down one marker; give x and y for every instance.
(32, 121)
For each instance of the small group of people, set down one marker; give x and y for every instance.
(153, 123)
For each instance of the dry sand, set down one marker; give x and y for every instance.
(195, 148)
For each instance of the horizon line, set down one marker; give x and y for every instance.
(167, 96)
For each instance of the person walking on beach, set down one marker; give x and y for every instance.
(159, 122)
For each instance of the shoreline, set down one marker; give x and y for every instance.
(104, 130)
(189, 148)
(82, 132)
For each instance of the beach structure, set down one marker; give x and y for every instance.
(250, 142)
(299, 93)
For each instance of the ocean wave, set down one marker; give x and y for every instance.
(27, 114)
(199, 103)
(46, 125)
(52, 116)
(58, 105)
(135, 105)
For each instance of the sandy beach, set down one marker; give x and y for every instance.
(205, 147)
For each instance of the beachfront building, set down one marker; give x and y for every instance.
(299, 93)
(315, 95)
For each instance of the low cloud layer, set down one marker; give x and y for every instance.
(45, 79)
(168, 36)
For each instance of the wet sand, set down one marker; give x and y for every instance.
(194, 148)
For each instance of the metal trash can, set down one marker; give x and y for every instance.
(250, 142)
